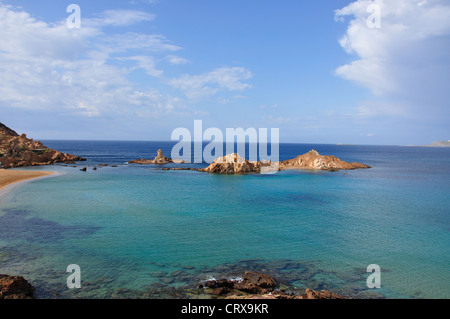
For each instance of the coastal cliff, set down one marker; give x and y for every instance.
(19, 151)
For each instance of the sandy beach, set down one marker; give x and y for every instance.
(12, 176)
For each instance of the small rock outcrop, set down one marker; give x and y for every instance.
(160, 159)
(323, 294)
(15, 287)
(19, 151)
(254, 285)
(313, 160)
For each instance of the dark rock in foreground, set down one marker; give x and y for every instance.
(254, 285)
(19, 151)
(15, 287)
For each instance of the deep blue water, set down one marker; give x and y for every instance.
(138, 231)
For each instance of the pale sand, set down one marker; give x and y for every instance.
(12, 176)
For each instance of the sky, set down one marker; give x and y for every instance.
(323, 71)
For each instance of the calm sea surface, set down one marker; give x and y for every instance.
(137, 231)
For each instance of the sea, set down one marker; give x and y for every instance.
(137, 231)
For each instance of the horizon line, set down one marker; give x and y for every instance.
(176, 141)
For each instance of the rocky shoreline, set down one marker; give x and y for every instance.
(15, 287)
(252, 285)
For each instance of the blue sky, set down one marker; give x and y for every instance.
(138, 69)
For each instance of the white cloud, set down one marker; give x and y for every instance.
(118, 18)
(147, 63)
(138, 41)
(174, 59)
(406, 59)
(51, 67)
(24, 36)
(207, 84)
(88, 71)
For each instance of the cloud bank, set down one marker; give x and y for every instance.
(405, 61)
(88, 71)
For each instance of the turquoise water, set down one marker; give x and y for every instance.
(138, 231)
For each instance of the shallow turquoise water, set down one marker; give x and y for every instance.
(137, 231)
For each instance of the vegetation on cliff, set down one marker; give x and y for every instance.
(19, 151)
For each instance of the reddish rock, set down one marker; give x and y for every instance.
(253, 282)
(256, 285)
(221, 291)
(19, 151)
(313, 160)
(15, 287)
(235, 164)
(323, 294)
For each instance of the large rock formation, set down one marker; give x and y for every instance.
(235, 164)
(15, 287)
(254, 285)
(159, 159)
(313, 160)
(19, 151)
